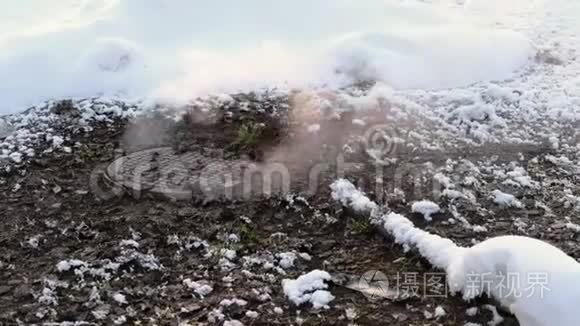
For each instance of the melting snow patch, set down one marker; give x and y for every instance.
(48, 297)
(505, 200)
(350, 313)
(234, 301)
(198, 287)
(120, 298)
(560, 161)
(309, 288)
(215, 315)
(66, 265)
(278, 310)
(100, 313)
(34, 242)
(286, 259)
(252, 314)
(347, 194)
(129, 243)
(439, 312)
(425, 207)
(228, 253)
(471, 311)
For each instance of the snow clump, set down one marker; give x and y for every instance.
(309, 288)
(427, 208)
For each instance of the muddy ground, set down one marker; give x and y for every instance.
(50, 213)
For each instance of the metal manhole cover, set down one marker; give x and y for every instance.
(192, 174)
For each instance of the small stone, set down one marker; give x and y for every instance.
(185, 212)
(5, 289)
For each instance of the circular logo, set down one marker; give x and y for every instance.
(374, 285)
(380, 140)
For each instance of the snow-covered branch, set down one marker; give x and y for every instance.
(537, 282)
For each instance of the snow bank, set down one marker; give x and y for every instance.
(534, 280)
(179, 50)
(417, 58)
(505, 200)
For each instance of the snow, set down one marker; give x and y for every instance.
(228, 253)
(534, 280)
(471, 311)
(120, 298)
(16, 157)
(286, 259)
(200, 287)
(505, 200)
(437, 250)
(535, 263)
(320, 299)
(34, 242)
(123, 48)
(233, 322)
(252, 314)
(234, 301)
(278, 310)
(350, 313)
(492, 259)
(415, 59)
(346, 193)
(48, 297)
(100, 314)
(232, 237)
(425, 207)
(66, 265)
(439, 312)
(129, 243)
(309, 287)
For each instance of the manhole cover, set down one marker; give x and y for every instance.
(193, 174)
